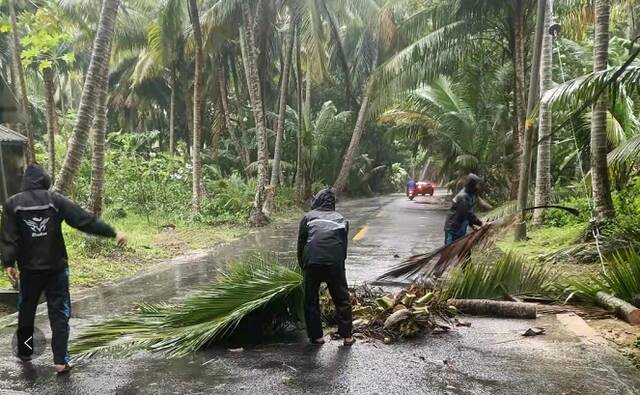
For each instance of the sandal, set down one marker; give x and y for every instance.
(66, 369)
(317, 342)
(349, 342)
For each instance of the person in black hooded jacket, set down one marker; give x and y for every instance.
(322, 251)
(32, 238)
(461, 215)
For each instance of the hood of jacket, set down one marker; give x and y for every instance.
(324, 200)
(472, 183)
(35, 177)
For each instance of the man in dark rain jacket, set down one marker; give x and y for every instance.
(461, 214)
(32, 238)
(322, 251)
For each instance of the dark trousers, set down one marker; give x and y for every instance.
(55, 285)
(334, 277)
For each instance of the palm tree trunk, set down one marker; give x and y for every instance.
(299, 168)
(239, 147)
(86, 111)
(532, 100)
(257, 216)
(601, 191)
(172, 113)
(341, 181)
(341, 57)
(52, 118)
(543, 169)
(198, 83)
(282, 112)
(216, 132)
(19, 73)
(96, 196)
(519, 99)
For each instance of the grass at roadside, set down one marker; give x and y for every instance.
(543, 242)
(94, 261)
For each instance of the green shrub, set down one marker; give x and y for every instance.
(560, 218)
(622, 279)
(509, 275)
(141, 181)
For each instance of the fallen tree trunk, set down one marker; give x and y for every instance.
(494, 308)
(622, 309)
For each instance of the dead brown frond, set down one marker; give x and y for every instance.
(437, 262)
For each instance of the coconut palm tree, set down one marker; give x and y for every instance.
(451, 124)
(250, 58)
(99, 141)
(600, 185)
(86, 112)
(543, 169)
(520, 103)
(20, 84)
(282, 107)
(197, 106)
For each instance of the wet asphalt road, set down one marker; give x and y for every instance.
(488, 358)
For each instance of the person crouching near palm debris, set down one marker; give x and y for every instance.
(322, 251)
(461, 215)
(32, 237)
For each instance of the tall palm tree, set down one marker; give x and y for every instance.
(241, 149)
(52, 118)
(600, 185)
(358, 130)
(543, 169)
(99, 141)
(518, 7)
(198, 86)
(248, 41)
(282, 108)
(88, 101)
(18, 72)
(380, 29)
(447, 119)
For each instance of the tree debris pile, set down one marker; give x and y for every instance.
(379, 315)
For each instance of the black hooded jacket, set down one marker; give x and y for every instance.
(32, 224)
(323, 234)
(463, 208)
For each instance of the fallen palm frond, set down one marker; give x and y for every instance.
(509, 276)
(258, 285)
(423, 266)
(250, 295)
(622, 279)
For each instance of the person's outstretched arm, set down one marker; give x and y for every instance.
(9, 239)
(84, 221)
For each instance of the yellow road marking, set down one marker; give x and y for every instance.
(361, 234)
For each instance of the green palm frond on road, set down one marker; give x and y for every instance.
(257, 284)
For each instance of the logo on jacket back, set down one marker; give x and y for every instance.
(38, 226)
